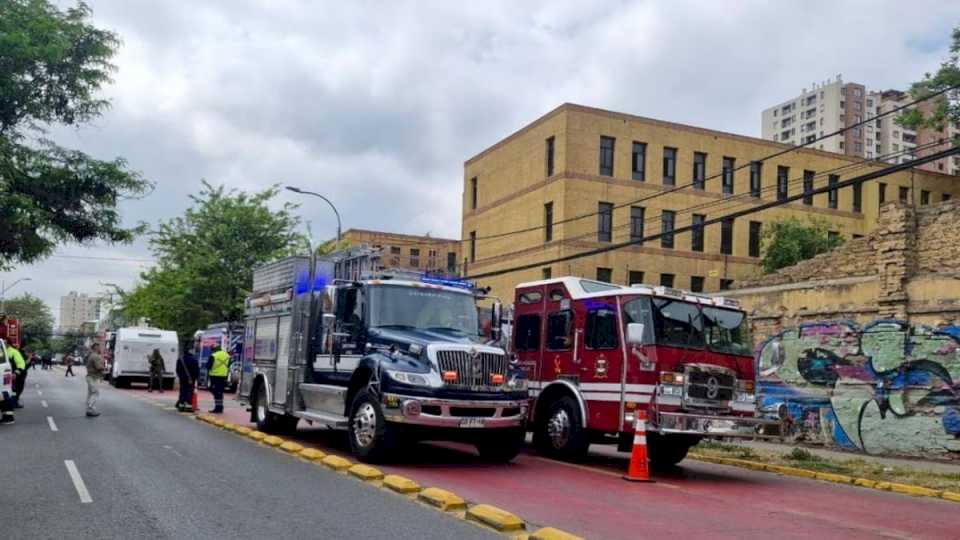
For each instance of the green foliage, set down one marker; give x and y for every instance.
(36, 321)
(944, 109)
(789, 241)
(69, 342)
(206, 258)
(52, 63)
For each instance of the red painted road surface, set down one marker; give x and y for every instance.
(592, 500)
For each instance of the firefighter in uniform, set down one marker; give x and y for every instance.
(20, 373)
(217, 376)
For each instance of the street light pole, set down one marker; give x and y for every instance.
(3, 292)
(304, 192)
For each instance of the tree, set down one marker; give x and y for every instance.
(52, 63)
(789, 241)
(69, 341)
(36, 321)
(944, 109)
(206, 258)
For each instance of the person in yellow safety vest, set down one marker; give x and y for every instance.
(217, 376)
(19, 372)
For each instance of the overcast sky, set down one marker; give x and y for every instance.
(378, 104)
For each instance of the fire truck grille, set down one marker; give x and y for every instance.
(474, 371)
(709, 388)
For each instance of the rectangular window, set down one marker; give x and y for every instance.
(560, 330)
(696, 283)
(904, 194)
(473, 193)
(606, 156)
(945, 197)
(726, 284)
(394, 250)
(726, 236)
(697, 232)
(604, 222)
(666, 229)
(636, 223)
(666, 280)
(858, 197)
(699, 170)
(634, 277)
(756, 229)
(881, 193)
(756, 178)
(473, 246)
(783, 182)
(924, 197)
(669, 166)
(808, 187)
(601, 330)
(639, 161)
(548, 222)
(549, 153)
(605, 275)
(729, 164)
(547, 273)
(833, 197)
(414, 257)
(527, 332)
(451, 262)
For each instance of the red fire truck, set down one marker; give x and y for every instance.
(596, 353)
(10, 331)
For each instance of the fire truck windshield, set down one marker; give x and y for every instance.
(422, 308)
(672, 322)
(727, 331)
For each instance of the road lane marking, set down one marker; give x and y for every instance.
(39, 393)
(78, 481)
(170, 448)
(43, 402)
(53, 425)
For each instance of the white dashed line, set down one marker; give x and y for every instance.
(39, 393)
(78, 481)
(43, 402)
(53, 425)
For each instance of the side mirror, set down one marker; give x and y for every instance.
(635, 333)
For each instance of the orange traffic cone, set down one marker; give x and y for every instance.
(194, 402)
(639, 470)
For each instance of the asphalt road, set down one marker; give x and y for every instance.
(151, 473)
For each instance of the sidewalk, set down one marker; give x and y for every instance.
(941, 467)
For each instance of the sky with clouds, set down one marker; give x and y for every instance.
(378, 104)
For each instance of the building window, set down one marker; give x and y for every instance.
(606, 156)
(546, 273)
(549, 152)
(756, 178)
(881, 193)
(415, 257)
(696, 283)
(726, 236)
(726, 284)
(605, 275)
(634, 277)
(808, 187)
(666, 280)
(832, 195)
(636, 223)
(783, 182)
(639, 161)
(945, 197)
(756, 231)
(904, 194)
(394, 250)
(924, 197)
(858, 197)
(728, 166)
(699, 170)
(451, 262)
(473, 246)
(697, 232)
(666, 229)
(604, 222)
(669, 166)
(548, 222)
(473, 193)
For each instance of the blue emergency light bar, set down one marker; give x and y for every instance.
(448, 282)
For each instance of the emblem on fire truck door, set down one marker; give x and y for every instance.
(601, 367)
(556, 364)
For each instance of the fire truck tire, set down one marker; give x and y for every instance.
(372, 438)
(268, 422)
(501, 446)
(560, 433)
(667, 451)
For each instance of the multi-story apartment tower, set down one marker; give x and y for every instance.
(76, 309)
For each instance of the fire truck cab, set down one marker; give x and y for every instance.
(597, 353)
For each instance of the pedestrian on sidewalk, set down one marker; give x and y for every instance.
(32, 361)
(68, 361)
(157, 367)
(95, 370)
(187, 372)
(217, 376)
(19, 374)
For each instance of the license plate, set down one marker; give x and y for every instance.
(471, 423)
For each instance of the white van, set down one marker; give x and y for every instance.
(6, 374)
(131, 351)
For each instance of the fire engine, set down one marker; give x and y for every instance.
(10, 331)
(597, 353)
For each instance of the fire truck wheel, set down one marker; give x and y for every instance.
(267, 421)
(501, 446)
(667, 451)
(371, 437)
(560, 433)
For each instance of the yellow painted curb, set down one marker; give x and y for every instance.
(312, 454)
(549, 533)
(442, 499)
(950, 496)
(273, 440)
(791, 471)
(218, 422)
(492, 516)
(243, 430)
(229, 426)
(206, 418)
(291, 447)
(916, 491)
(365, 472)
(257, 435)
(864, 482)
(884, 486)
(837, 478)
(336, 463)
(400, 484)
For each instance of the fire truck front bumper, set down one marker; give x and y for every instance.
(715, 426)
(454, 413)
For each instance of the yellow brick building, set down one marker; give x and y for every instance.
(409, 251)
(577, 161)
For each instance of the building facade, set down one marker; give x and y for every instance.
(76, 309)
(410, 251)
(581, 178)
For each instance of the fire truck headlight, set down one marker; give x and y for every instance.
(745, 391)
(406, 377)
(671, 390)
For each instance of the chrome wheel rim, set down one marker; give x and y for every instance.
(364, 425)
(261, 409)
(558, 429)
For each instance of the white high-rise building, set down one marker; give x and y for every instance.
(76, 309)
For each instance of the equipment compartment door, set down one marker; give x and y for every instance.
(283, 360)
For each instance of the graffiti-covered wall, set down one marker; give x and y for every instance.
(882, 388)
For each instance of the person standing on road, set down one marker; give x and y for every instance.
(217, 376)
(187, 372)
(68, 361)
(19, 374)
(95, 369)
(157, 368)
